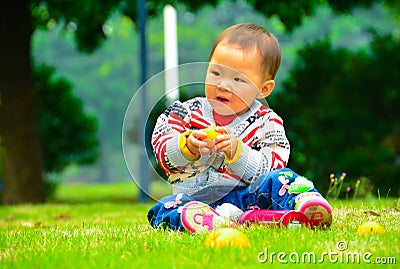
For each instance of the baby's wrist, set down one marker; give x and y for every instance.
(236, 155)
(182, 144)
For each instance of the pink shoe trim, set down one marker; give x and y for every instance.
(319, 202)
(287, 218)
(293, 219)
(197, 216)
(318, 211)
(259, 216)
(206, 220)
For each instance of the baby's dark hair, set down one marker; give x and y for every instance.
(249, 36)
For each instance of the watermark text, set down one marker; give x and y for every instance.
(340, 255)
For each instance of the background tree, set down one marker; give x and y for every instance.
(68, 133)
(20, 144)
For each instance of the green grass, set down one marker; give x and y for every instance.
(111, 232)
(110, 192)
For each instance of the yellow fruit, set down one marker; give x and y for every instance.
(211, 133)
(227, 237)
(370, 227)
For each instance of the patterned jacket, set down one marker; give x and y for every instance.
(260, 131)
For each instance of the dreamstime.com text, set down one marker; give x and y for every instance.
(340, 255)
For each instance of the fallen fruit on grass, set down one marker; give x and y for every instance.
(370, 227)
(227, 237)
(211, 133)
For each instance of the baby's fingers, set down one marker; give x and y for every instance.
(204, 149)
(222, 130)
(222, 138)
(199, 135)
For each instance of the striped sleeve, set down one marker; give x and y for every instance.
(265, 148)
(170, 125)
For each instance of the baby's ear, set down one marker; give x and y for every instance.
(266, 88)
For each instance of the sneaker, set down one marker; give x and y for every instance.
(230, 211)
(315, 207)
(200, 217)
(275, 218)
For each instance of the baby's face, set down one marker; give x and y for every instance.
(233, 79)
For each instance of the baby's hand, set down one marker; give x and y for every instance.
(226, 142)
(198, 144)
(211, 132)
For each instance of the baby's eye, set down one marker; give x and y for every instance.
(238, 79)
(215, 73)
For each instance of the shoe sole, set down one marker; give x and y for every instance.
(275, 218)
(318, 212)
(198, 217)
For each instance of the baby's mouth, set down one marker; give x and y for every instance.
(222, 99)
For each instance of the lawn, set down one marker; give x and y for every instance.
(103, 231)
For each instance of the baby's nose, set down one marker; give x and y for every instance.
(225, 85)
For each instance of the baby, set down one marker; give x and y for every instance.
(240, 164)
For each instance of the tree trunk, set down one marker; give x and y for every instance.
(20, 146)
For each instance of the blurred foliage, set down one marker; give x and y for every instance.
(107, 78)
(87, 17)
(67, 132)
(341, 112)
(85, 22)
